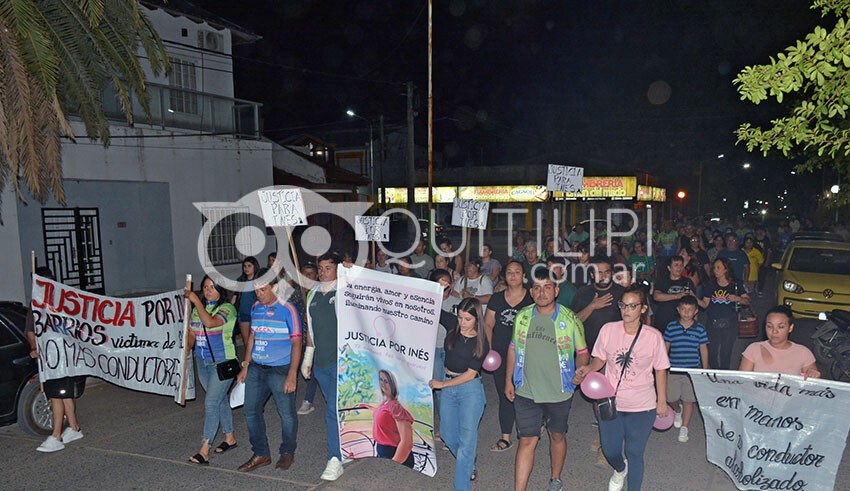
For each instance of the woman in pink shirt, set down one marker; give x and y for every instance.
(639, 398)
(392, 424)
(778, 354)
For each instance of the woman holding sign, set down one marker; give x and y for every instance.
(211, 332)
(778, 354)
(462, 401)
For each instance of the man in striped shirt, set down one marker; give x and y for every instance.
(687, 344)
(272, 358)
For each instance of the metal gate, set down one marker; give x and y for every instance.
(72, 247)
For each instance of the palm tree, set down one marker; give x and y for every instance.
(58, 56)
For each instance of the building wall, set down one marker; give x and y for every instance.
(128, 181)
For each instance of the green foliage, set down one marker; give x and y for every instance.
(58, 56)
(815, 74)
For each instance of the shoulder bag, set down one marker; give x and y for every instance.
(607, 407)
(225, 370)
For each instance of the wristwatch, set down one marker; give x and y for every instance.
(244, 363)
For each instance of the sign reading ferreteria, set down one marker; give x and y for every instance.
(608, 187)
(771, 430)
(135, 343)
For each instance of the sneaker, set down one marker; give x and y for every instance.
(677, 418)
(70, 435)
(683, 434)
(52, 444)
(346, 461)
(618, 480)
(333, 470)
(306, 408)
(556, 485)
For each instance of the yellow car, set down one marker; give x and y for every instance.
(814, 277)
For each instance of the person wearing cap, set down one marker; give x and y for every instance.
(475, 284)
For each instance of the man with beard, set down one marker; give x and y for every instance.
(596, 304)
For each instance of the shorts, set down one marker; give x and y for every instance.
(531, 415)
(64, 388)
(679, 386)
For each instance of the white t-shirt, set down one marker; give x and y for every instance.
(479, 286)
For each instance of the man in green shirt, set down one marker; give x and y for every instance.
(322, 323)
(547, 346)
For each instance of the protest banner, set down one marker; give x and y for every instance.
(771, 430)
(372, 228)
(386, 335)
(470, 213)
(564, 178)
(282, 207)
(135, 343)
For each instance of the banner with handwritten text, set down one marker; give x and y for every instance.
(131, 342)
(386, 336)
(773, 431)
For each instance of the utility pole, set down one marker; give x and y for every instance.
(382, 153)
(411, 168)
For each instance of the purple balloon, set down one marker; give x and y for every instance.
(492, 361)
(596, 386)
(665, 422)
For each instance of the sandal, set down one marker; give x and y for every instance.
(474, 475)
(501, 445)
(198, 459)
(224, 447)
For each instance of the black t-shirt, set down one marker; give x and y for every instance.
(720, 306)
(460, 358)
(665, 312)
(600, 317)
(505, 316)
(763, 245)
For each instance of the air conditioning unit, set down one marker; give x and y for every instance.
(210, 40)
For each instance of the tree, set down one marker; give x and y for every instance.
(813, 77)
(56, 57)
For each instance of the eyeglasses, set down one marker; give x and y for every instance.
(628, 306)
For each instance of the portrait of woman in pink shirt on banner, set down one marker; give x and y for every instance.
(392, 424)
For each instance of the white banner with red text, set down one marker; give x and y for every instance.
(771, 430)
(135, 343)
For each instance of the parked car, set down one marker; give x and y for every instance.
(813, 277)
(21, 398)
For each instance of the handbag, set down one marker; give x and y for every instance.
(225, 370)
(607, 407)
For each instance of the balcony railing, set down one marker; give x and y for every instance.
(191, 110)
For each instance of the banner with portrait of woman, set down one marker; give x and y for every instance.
(386, 335)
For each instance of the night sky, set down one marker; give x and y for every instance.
(616, 87)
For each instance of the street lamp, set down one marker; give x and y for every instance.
(699, 191)
(681, 195)
(746, 165)
(352, 114)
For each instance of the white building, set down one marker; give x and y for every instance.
(129, 224)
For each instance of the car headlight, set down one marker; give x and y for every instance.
(790, 286)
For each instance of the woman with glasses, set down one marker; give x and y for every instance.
(462, 400)
(632, 353)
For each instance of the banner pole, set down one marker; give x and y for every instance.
(187, 312)
(300, 286)
(466, 260)
(32, 266)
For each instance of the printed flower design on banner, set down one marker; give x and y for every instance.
(384, 327)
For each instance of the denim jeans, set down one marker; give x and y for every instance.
(310, 393)
(216, 404)
(264, 381)
(633, 429)
(439, 373)
(461, 407)
(326, 378)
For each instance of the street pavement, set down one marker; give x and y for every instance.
(142, 441)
